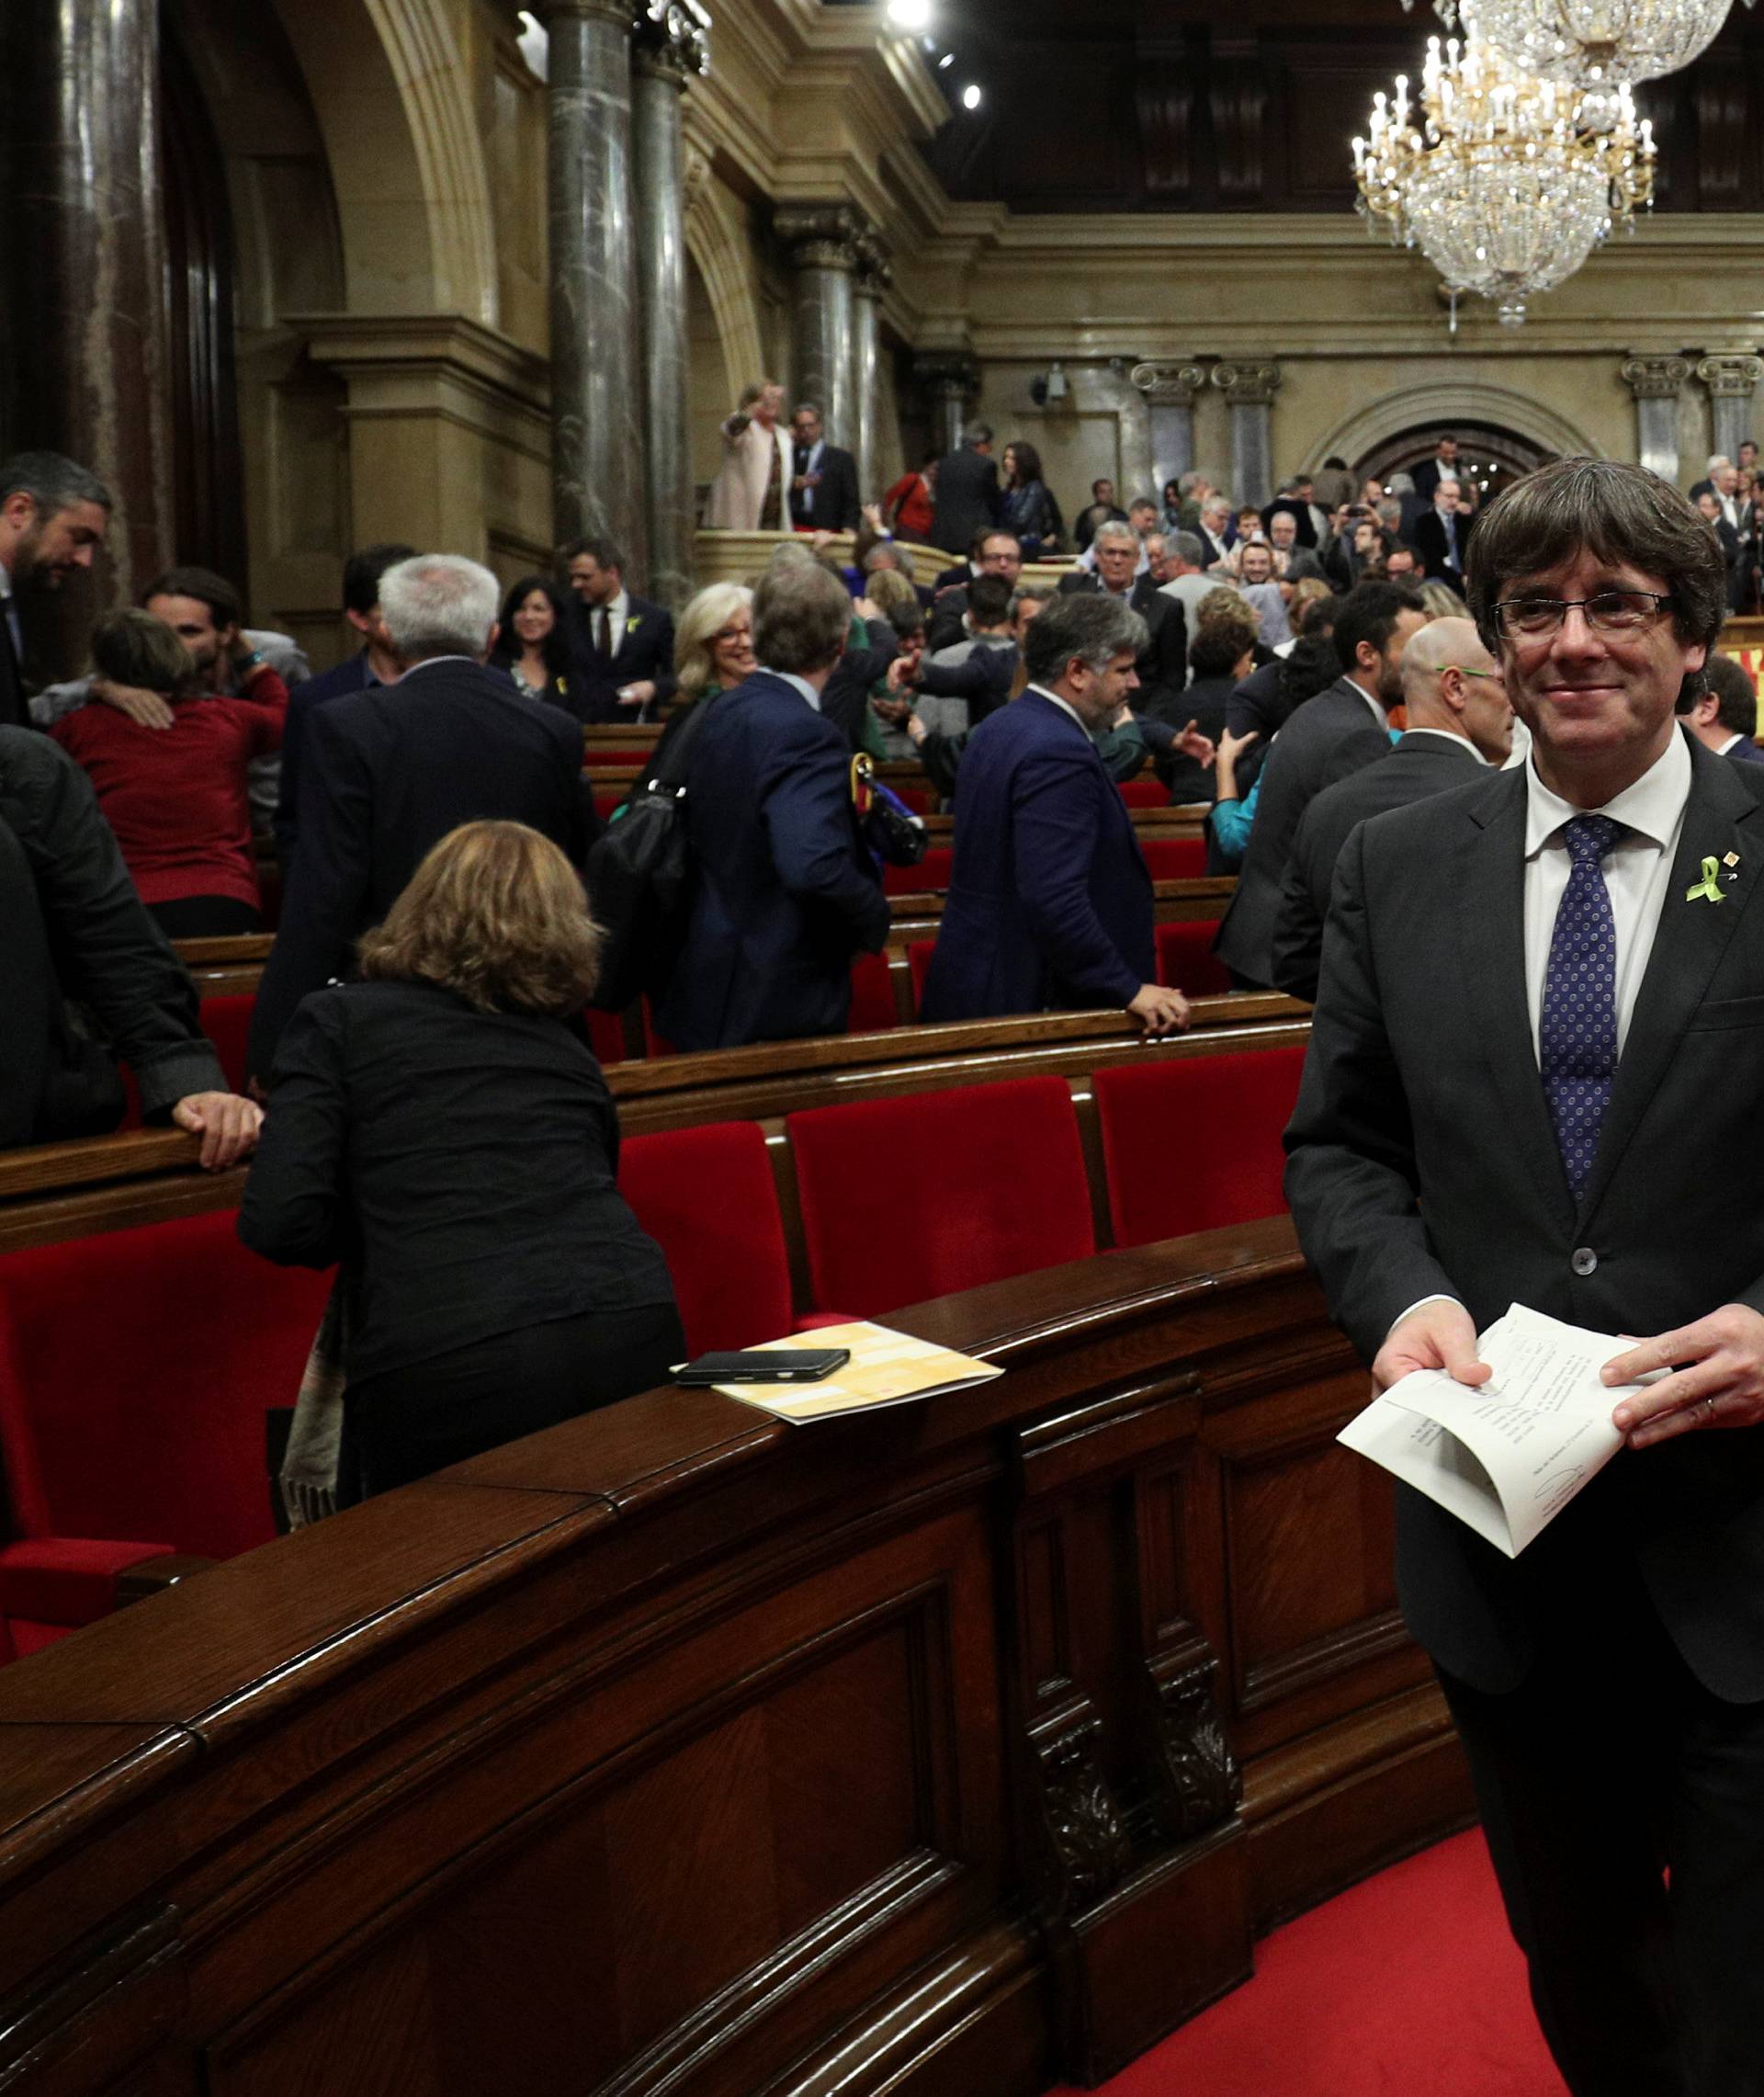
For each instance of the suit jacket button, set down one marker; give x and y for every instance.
(1584, 1260)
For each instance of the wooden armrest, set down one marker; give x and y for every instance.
(153, 1576)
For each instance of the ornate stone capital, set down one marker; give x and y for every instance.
(1731, 376)
(1170, 385)
(875, 270)
(819, 236)
(671, 37)
(1247, 385)
(695, 178)
(1655, 378)
(950, 374)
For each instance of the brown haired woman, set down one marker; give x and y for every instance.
(441, 1130)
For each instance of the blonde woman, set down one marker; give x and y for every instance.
(713, 645)
(441, 1130)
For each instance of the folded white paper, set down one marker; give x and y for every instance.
(1507, 1455)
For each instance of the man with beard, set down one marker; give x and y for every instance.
(53, 516)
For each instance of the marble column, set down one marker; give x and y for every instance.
(821, 239)
(1732, 378)
(667, 48)
(952, 383)
(873, 277)
(86, 368)
(1250, 390)
(1657, 383)
(1170, 390)
(598, 473)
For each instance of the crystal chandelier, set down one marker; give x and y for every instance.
(1505, 183)
(1591, 43)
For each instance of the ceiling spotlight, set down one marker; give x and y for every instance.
(909, 14)
(970, 97)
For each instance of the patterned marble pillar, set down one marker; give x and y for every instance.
(1170, 390)
(1732, 379)
(598, 473)
(669, 43)
(87, 367)
(952, 383)
(821, 239)
(873, 277)
(1250, 390)
(1657, 383)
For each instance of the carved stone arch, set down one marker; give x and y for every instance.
(389, 88)
(1449, 402)
(717, 239)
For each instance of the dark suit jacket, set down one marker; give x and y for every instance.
(14, 707)
(1163, 661)
(1744, 752)
(833, 504)
(870, 647)
(1423, 1159)
(1427, 477)
(353, 675)
(1049, 900)
(644, 655)
(389, 772)
(1423, 762)
(983, 680)
(784, 891)
(1428, 540)
(1323, 740)
(967, 497)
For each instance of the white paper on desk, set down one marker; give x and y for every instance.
(1506, 1457)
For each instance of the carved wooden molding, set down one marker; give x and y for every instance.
(1192, 1780)
(1088, 1848)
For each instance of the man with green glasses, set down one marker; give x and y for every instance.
(1536, 1076)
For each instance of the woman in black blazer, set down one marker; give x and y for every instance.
(442, 1132)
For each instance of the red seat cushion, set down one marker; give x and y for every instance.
(908, 1198)
(227, 1021)
(931, 874)
(873, 1006)
(708, 1198)
(919, 953)
(1174, 858)
(1186, 961)
(1192, 1142)
(605, 1036)
(1144, 793)
(136, 1369)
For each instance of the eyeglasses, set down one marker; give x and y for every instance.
(1611, 611)
(1494, 676)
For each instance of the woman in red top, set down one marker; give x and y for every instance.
(177, 797)
(909, 506)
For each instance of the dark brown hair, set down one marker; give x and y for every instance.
(1616, 513)
(496, 913)
(134, 648)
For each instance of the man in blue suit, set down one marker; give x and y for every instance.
(784, 891)
(1049, 900)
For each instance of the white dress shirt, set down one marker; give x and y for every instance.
(618, 611)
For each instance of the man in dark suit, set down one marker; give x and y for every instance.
(1162, 667)
(1533, 1078)
(1443, 466)
(391, 770)
(623, 644)
(1459, 723)
(1337, 733)
(785, 891)
(967, 490)
(995, 551)
(1441, 537)
(1722, 715)
(1732, 551)
(1049, 901)
(53, 516)
(823, 489)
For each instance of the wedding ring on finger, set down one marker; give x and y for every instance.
(1708, 1409)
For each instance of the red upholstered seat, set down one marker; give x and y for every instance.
(136, 1369)
(708, 1198)
(1192, 1143)
(908, 1198)
(227, 1021)
(931, 874)
(1186, 961)
(605, 1036)
(873, 1006)
(918, 798)
(1144, 793)
(919, 953)
(1175, 858)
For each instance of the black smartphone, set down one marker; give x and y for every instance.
(765, 1364)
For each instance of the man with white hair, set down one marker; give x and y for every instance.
(1706, 486)
(390, 770)
(1441, 537)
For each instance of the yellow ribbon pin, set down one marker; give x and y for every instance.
(1708, 887)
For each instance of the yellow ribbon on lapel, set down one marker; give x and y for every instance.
(1708, 887)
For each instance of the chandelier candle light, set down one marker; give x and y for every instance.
(1506, 183)
(1594, 44)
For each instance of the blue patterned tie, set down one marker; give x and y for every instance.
(1577, 1036)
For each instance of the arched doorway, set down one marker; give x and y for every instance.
(1488, 455)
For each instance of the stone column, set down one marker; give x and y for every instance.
(598, 474)
(873, 277)
(823, 243)
(952, 379)
(1170, 390)
(1731, 378)
(1250, 391)
(86, 368)
(668, 46)
(1657, 383)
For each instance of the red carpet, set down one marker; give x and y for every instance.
(1407, 1985)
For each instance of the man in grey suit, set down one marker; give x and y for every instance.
(967, 490)
(1535, 1077)
(1337, 733)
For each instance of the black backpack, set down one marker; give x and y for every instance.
(639, 873)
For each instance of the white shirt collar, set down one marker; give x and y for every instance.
(796, 684)
(1654, 806)
(1451, 735)
(1065, 706)
(1380, 713)
(1729, 744)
